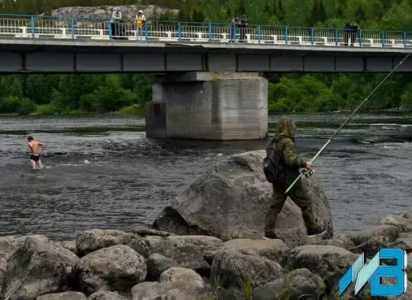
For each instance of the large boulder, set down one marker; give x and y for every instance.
(234, 269)
(37, 268)
(329, 262)
(104, 295)
(167, 290)
(272, 249)
(362, 236)
(299, 284)
(340, 242)
(182, 275)
(157, 264)
(117, 268)
(63, 296)
(402, 221)
(404, 241)
(92, 240)
(231, 199)
(8, 245)
(187, 251)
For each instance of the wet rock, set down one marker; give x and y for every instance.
(102, 295)
(37, 268)
(362, 236)
(182, 275)
(187, 251)
(404, 241)
(8, 245)
(372, 245)
(116, 268)
(298, 284)
(63, 296)
(157, 264)
(219, 203)
(328, 262)
(70, 245)
(92, 240)
(166, 290)
(340, 242)
(231, 267)
(402, 221)
(274, 250)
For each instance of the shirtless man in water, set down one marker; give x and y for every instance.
(35, 150)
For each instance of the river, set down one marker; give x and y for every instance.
(102, 171)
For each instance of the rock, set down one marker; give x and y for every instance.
(182, 275)
(187, 251)
(402, 221)
(372, 246)
(147, 231)
(116, 268)
(37, 268)
(340, 242)
(230, 201)
(360, 237)
(157, 264)
(128, 11)
(92, 240)
(298, 284)
(274, 250)
(70, 245)
(102, 295)
(404, 241)
(328, 262)
(8, 245)
(233, 269)
(166, 290)
(63, 296)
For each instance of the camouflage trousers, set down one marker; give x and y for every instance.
(300, 198)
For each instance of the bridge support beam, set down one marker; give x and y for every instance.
(208, 106)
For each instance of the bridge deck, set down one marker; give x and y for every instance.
(58, 30)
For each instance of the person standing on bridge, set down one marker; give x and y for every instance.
(283, 142)
(115, 22)
(35, 151)
(140, 21)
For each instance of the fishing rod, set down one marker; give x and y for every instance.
(347, 120)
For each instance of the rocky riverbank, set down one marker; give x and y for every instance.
(151, 265)
(212, 250)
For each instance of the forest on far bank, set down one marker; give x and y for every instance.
(127, 93)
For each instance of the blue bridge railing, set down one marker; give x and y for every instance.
(62, 27)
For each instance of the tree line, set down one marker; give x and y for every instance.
(127, 93)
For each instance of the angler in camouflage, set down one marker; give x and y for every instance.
(285, 142)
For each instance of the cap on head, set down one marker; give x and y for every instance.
(140, 12)
(30, 138)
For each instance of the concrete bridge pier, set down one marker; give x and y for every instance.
(208, 106)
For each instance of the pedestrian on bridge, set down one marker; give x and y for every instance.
(115, 22)
(140, 22)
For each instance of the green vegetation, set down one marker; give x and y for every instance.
(65, 94)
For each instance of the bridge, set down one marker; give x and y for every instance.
(208, 84)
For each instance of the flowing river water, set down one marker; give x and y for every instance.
(102, 171)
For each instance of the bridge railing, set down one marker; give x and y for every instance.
(62, 27)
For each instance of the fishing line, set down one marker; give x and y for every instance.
(17, 142)
(347, 120)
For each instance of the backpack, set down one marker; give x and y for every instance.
(273, 165)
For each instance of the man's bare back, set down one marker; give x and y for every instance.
(35, 150)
